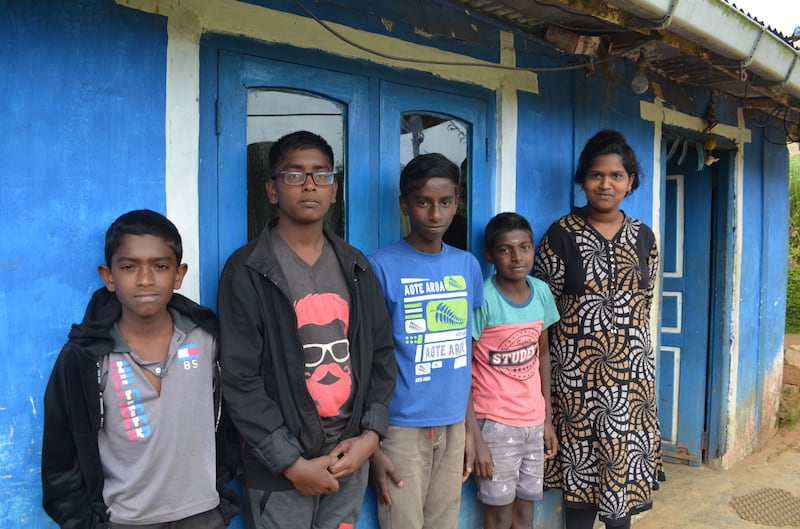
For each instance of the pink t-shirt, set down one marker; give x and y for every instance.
(506, 386)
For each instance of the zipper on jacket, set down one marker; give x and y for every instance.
(288, 297)
(354, 330)
(100, 393)
(217, 397)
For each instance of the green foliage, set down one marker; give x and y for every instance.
(793, 301)
(793, 283)
(789, 410)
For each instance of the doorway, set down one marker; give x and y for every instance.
(694, 209)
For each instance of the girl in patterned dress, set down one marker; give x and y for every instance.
(601, 267)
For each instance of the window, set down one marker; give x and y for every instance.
(272, 114)
(422, 133)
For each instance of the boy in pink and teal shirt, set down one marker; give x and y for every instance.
(511, 377)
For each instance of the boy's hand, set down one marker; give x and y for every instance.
(484, 462)
(351, 453)
(380, 466)
(550, 440)
(311, 476)
(469, 454)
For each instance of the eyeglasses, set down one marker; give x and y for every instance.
(315, 352)
(298, 178)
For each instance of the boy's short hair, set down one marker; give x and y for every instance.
(142, 222)
(504, 223)
(608, 142)
(299, 140)
(424, 167)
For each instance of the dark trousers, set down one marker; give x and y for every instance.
(205, 520)
(288, 509)
(584, 519)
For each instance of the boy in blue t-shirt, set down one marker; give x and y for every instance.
(511, 378)
(431, 290)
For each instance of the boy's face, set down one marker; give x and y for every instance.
(430, 209)
(512, 255)
(143, 274)
(307, 203)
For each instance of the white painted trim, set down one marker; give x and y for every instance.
(680, 226)
(679, 303)
(660, 114)
(733, 383)
(653, 113)
(507, 139)
(672, 437)
(182, 132)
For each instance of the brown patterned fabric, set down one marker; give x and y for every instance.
(604, 401)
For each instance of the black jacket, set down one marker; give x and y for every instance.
(72, 475)
(262, 364)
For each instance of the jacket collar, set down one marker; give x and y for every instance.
(103, 310)
(262, 258)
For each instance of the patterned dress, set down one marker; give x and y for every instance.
(604, 401)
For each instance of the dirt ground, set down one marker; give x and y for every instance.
(700, 497)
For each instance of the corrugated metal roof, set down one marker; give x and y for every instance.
(675, 57)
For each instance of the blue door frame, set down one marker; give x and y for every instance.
(397, 99)
(723, 200)
(223, 226)
(695, 304)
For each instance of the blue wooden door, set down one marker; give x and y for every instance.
(470, 115)
(224, 185)
(685, 309)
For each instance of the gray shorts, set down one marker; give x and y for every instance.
(518, 455)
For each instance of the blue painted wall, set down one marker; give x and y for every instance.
(764, 265)
(82, 105)
(553, 127)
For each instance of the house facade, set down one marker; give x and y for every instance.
(112, 106)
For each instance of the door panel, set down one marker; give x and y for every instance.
(396, 101)
(225, 226)
(685, 309)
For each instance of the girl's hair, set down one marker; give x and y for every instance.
(608, 142)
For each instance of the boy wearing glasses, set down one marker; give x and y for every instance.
(307, 347)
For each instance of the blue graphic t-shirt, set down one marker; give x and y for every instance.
(430, 298)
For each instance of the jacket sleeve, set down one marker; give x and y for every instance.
(383, 374)
(65, 494)
(257, 417)
(228, 452)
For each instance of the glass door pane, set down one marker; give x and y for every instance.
(256, 101)
(418, 120)
(422, 133)
(272, 114)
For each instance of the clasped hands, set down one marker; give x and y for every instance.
(320, 475)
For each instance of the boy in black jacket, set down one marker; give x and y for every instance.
(309, 367)
(132, 407)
